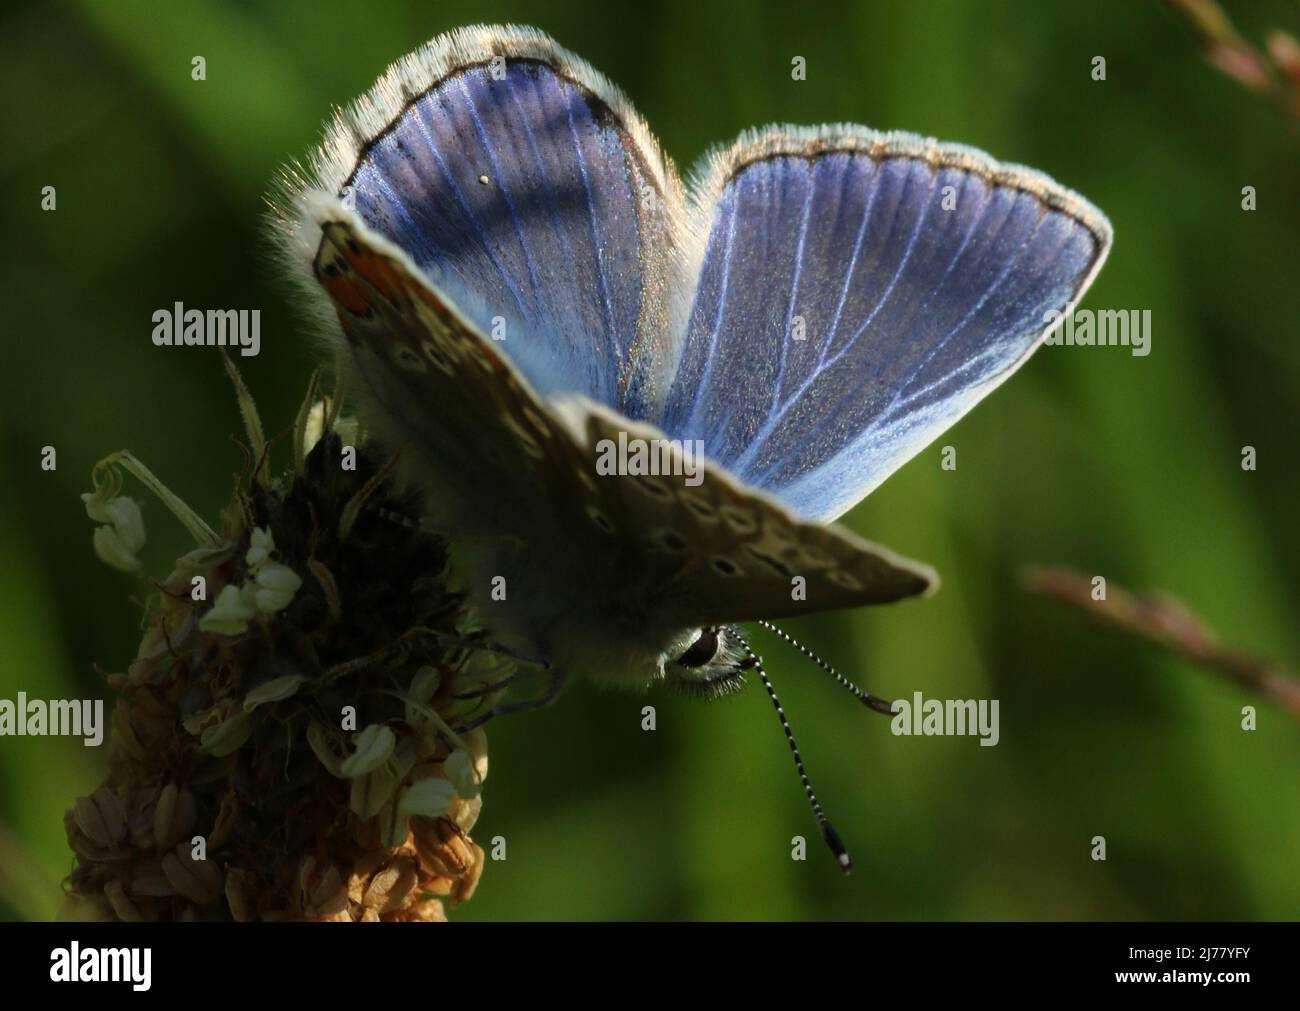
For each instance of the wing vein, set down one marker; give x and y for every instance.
(724, 285)
(602, 279)
(500, 177)
(770, 423)
(470, 216)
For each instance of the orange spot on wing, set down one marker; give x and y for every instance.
(376, 270)
(347, 294)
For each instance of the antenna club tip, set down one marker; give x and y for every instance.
(883, 706)
(837, 847)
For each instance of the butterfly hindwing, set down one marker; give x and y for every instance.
(706, 549)
(707, 552)
(435, 385)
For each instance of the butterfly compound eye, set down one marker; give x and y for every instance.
(702, 650)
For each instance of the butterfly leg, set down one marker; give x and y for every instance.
(497, 686)
(558, 681)
(452, 642)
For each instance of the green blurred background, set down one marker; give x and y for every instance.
(1122, 466)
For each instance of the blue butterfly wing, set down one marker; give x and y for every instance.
(524, 186)
(858, 293)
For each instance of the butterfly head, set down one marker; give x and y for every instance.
(709, 662)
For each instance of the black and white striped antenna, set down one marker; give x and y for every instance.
(866, 698)
(828, 832)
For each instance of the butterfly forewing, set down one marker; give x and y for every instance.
(524, 186)
(858, 293)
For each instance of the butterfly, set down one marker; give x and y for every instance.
(516, 279)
